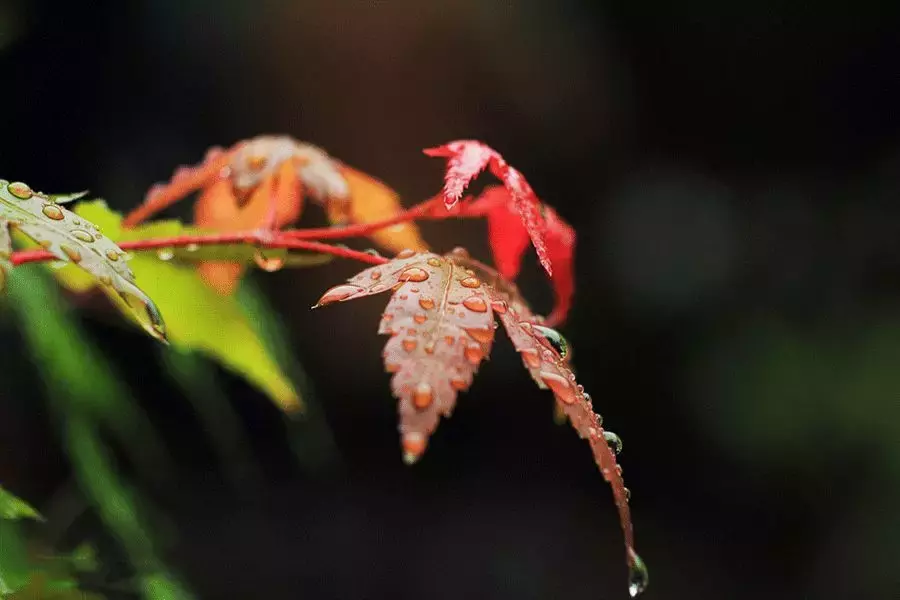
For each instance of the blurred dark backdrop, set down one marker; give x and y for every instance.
(733, 172)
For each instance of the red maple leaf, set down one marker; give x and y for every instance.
(466, 159)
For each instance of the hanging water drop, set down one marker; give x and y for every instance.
(638, 576)
(269, 264)
(614, 441)
(555, 339)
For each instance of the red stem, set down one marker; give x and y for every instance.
(293, 239)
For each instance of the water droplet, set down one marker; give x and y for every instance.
(638, 576)
(420, 318)
(269, 264)
(450, 340)
(414, 274)
(387, 316)
(409, 344)
(413, 446)
(561, 388)
(475, 304)
(338, 293)
(20, 190)
(82, 236)
(458, 383)
(429, 348)
(378, 288)
(73, 254)
(481, 335)
(165, 254)
(473, 353)
(391, 367)
(620, 470)
(54, 212)
(555, 339)
(112, 255)
(426, 302)
(375, 275)
(500, 306)
(189, 247)
(470, 282)
(531, 358)
(406, 253)
(371, 252)
(403, 296)
(422, 396)
(614, 441)
(626, 490)
(434, 262)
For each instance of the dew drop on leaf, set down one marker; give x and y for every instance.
(414, 274)
(20, 190)
(500, 306)
(422, 396)
(475, 304)
(52, 212)
(82, 236)
(426, 302)
(614, 441)
(555, 339)
(470, 282)
(165, 254)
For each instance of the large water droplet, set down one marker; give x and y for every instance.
(481, 335)
(434, 262)
(426, 302)
(54, 212)
(638, 576)
(112, 255)
(475, 304)
(20, 190)
(555, 339)
(614, 441)
(422, 396)
(83, 236)
(413, 274)
(413, 446)
(470, 282)
(409, 344)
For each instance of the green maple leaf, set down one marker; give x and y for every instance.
(73, 239)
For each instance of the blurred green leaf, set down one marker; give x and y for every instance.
(77, 376)
(197, 317)
(14, 508)
(15, 572)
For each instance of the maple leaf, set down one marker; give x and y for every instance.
(441, 319)
(466, 159)
(262, 183)
(75, 240)
(508, 238)
(199, 318)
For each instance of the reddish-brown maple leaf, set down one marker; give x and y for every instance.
(441, 322)
(466, 159)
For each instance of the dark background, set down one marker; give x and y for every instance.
(733, 173)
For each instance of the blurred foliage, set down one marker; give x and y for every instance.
(88, 399)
